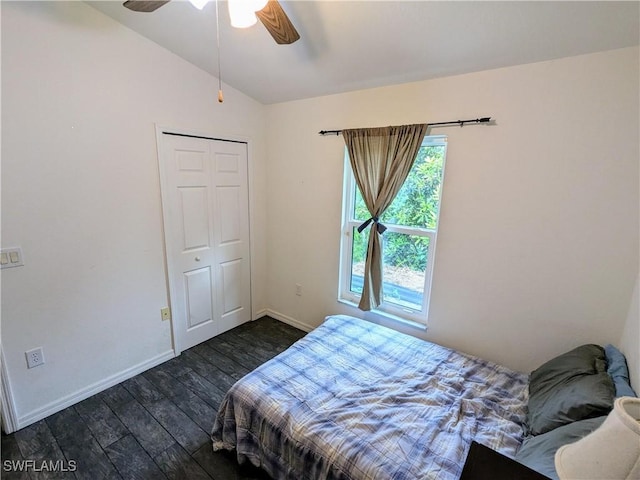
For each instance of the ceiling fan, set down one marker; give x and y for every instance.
(272, 16)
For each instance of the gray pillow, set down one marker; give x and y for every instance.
(570, 387)
(617, 368)
(539, 452)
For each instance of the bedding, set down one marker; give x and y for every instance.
(539, 452)
(619, 372)
(355, 400)
(570, 387)
(569, 397)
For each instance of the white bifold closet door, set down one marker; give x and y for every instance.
(206, 220)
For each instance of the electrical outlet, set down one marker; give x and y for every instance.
(298, 289)
(165, 313)
(35, 357)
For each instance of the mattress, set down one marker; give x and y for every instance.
(355, 400)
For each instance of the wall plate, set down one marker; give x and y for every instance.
(11, 257)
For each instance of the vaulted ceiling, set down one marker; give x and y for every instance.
(350, 45)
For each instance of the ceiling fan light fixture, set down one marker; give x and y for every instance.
(241, 17)
(243, 12)
(199, 4)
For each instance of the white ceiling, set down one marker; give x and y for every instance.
(351, 45)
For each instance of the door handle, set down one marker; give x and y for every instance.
(197, 259)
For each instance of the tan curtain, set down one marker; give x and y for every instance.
(381, 159)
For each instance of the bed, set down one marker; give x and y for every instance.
(354, 400)
(357, 401)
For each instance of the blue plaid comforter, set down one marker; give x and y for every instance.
(354, 400)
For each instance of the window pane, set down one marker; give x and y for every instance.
(404, 264)
(360, 209)
(358, 256)
(417, 202)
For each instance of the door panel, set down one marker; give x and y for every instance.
(206, 220)
(191, 160)
(228, 208)
(231, 273)
(226, 163)
(194, 212)
(198, 288)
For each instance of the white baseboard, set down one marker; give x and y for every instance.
(260, 314)
(288, 320)
(13, 422)
(67, 401)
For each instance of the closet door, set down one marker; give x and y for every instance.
(206, 221)
(231, 233)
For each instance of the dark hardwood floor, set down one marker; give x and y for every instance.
(155, 425)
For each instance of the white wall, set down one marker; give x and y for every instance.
(538, 244)
(81, 195)
(629, 341)
(538, 248)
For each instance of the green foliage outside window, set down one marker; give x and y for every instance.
(416, 205)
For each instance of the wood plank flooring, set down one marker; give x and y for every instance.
(155, 425)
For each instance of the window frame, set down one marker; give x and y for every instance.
(386, 308)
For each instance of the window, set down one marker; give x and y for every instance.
(408, 243)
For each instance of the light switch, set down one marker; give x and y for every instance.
(11, 257)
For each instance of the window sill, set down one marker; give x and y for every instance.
(383, 315)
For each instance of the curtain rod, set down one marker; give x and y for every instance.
(454, 122)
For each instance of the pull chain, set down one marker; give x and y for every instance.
(220, 96)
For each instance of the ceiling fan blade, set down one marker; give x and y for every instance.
(277, 23)
(144, 5)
